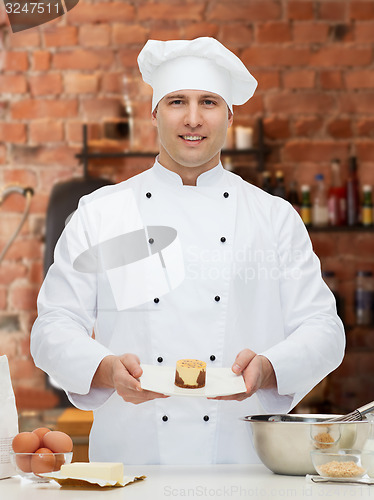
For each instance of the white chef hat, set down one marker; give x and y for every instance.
(200, 64)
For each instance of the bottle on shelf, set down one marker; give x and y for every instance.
(353, 196)
(320, 213)
(227, 164)
(293, 196)
(306, 205)
(364, 294)
(266, 182)
(279, 188)
(367, 206)
(337, 197)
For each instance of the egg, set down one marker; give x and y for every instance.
(58, 442)
(60, 460)
(42, 461)
(25, 442)
(24, 462)
(40, 431)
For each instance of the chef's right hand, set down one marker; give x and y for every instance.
(122, 374)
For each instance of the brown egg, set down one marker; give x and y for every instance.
(42, 461)
(60, 460)
(58, 442)
(25, 442)
(40, 431)
(24, 462)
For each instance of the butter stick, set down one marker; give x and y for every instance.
(108, 471)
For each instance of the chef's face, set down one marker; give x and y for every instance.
(192, 127)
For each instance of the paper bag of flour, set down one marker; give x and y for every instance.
(8, 419)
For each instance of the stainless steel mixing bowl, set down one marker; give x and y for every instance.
(284, 442)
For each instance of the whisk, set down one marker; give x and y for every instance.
(355, 415)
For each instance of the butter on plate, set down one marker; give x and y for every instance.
(92, 473)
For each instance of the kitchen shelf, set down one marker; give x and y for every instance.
(341, 229)
(86, 155)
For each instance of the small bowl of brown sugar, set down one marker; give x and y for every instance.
(342, 464)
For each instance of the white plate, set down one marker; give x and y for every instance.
(219, 382)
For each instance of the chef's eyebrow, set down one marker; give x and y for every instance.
(183, 96)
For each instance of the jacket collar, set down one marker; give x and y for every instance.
(206, 179)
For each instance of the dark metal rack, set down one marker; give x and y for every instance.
(260, 151)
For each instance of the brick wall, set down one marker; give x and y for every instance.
(314, 64)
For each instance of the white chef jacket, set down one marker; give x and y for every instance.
(249, 279)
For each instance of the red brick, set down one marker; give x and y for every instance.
(128, 58)
(42, 131)
(359, 79)
(194, 30)
(303, 79)
(94, 35)
(45, 84)
(112, 82)
(28, 38)
(101, 108)
(308, 127)
(16, 61)
(238, 34)
(276, 32)
(171, 12)
(331, 80)
(365, 152)
(22, 368)
(101, 12)
(25, 176)
(310, 32)
(300, 10)
(160, 31)
(41, 60)
(340, 128)
(276, 128)
(52, 155)
(365, 126)
(264, 56)
(332, 11)
(9, 343)
(267, 79)
(79, 83)
(128, 34)
(12, 272)
(13, 84)
(315, 151)
(253, 106)
(361, 10)
(60, 36)
(29, 109)
(50, 176)
(364, 31)
(256, 10)
(331, 56)
(3, 298)
(299, 103)
(356, 103)
(3, 153)
(83, 59)
(35, 398)
(12, 132)
(36, 274)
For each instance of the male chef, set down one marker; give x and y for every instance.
(185, 260)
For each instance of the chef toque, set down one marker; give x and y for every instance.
(200, 64)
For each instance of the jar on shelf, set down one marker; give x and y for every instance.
(364, 294)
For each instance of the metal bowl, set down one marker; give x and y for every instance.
(284, 442)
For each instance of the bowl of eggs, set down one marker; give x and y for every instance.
(40, 451)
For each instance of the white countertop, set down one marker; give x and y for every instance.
(206, 482)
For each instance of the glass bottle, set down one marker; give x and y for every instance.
(279, 188)
(320, 213)
(293, 196)
(367, 206)
(367, 457)
(337, 197)
(353, 196)
(266, 182)
(306, 205)
(364, 297)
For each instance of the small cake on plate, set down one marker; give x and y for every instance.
(190, 373)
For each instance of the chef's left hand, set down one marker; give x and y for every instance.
(257, 371)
